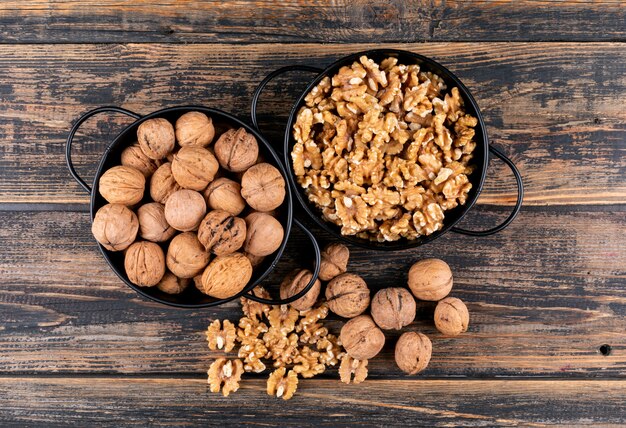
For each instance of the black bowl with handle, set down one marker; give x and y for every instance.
(480, 159)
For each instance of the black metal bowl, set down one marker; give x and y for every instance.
(191, 297)
(480, 159)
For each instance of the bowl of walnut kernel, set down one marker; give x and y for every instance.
(387, 149)
(190, 207)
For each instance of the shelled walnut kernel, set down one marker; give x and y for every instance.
(226, 372)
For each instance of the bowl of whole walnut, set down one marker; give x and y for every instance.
(189, 206)
(387, 149)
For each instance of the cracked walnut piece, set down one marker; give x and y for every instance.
(282, 386)
(226, 372)
(383, 150)
(221, 337)
(351, 366)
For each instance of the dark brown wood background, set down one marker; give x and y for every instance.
(547, 341)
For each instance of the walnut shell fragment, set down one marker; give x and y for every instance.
(294, 283)
(348, 295)
(413, 351)
(186, 256)
(393, 308)
(236, 150)
(122, 185)
(194, 167)
(156, 138)
(334, 261)
(226, 276)
(430, 279)
(221, 233)
(361, 338)
(185, 209)
(152, 223)
(451, 316)
(144, 263)
(194, 129)
(263, 187)
(115, 227)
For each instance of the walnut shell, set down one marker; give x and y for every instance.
(413, 351)
(264, 234)
(144, 263)
(115, 227)
(156, 138)
(361, 338)
(236, 150)
(334, 261)
(221, 233)
(186, 256)
(122, 185)
(134, 157)
(226, 276)
(152, 223)
(295, 282)
(263, 187)
(225, 194)
(348, 295)
(194, 167)
(393, 308)
(430, 279)
(163, 184)
(451, 316)
(185, 209)
(254, 260)
(171, 284)
(194, 129)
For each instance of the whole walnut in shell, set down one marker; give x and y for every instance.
(348, 295)
(115, 227)
(122, 185)
(236, 150)
(264, 234)
(171, 284)
(194, 129)
(430, 279)
(163, 184)
(134, 157)
(186, 256)
(413, 351)
(393, 308)
(263, 187)
(295, 282)
(185, 209)
(334, 261)
(225, 194)
(451, 316)
(194, 167)
(361, 338)
(152, 223)
(254, 260)
(144, 263)
(156, 137)
(226, 276)
(221, 233)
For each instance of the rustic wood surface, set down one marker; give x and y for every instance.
(547, 296)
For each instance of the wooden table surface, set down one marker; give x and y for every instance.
(547, 296)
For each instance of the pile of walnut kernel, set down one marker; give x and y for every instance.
(293, 340)
(383, 151)
(183, 208)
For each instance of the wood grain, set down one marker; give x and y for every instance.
(544, 296)
(246, 21)
(553, 107)
(173, 402)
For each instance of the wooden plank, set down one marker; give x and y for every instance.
(544, 296)
(553, 107)
(47, 21)
(172, 402)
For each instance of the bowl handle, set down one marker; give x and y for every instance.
(316, 271)
(268, 79)
(518, 204)
(79, 122)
